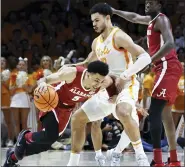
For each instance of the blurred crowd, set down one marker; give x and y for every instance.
(38, 39)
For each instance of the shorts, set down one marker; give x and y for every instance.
(62, 116)
(98, 106)
(166, 80)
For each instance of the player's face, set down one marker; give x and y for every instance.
(99, 22)
(3, 63)
(151, 6)
(95, 80)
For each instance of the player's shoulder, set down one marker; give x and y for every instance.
(80, 69)
(162, 19)
(120, 36)
(94, 43)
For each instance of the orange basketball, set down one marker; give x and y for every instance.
(46, 100)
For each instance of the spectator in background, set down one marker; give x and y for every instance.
(179, 38)
(111, 130)
(4, 50)
(181, 54)
(5, 100)
(20, 85)
(11, 24)
(182, 23)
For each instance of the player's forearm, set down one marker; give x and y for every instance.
(130, 16)
(163, 51)
(84, 63)
(53, 78)
(142, 61)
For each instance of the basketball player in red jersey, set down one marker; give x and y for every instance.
(78, 84)
(167, 69)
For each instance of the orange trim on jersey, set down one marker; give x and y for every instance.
(126, 57)
(130, 87)
(113, 42)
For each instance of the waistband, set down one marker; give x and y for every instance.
(62, 105)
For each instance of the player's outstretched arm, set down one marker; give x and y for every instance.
(67, 74)
(122, 40)
(91, 57)
(163, 25)
(132, 17)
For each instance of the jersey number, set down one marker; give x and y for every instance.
(76, 98)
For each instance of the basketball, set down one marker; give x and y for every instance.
(45, 100)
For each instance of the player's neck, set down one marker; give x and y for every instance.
(107, 31)
(154, 14)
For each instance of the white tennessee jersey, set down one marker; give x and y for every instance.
(118, 59)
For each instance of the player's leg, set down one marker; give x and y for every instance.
(96, 135)
(126, 113)
(78, 126)
(95, 108)
(155, 116)
(169, 127)
(29, 143)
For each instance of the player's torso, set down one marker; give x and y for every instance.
(117, 59)
(155, 40)
(70, 94)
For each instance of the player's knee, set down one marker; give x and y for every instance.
(123, 110)
(95, 125)
(76, 122)
(79, 118)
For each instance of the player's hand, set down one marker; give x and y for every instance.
(41, 80)
(42, 87)
(142, 111)
(119, 84)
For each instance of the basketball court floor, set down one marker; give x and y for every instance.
(60, 158)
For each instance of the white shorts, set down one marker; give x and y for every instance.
(98, 106)
(20, 100)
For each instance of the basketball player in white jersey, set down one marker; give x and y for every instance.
(116, 48)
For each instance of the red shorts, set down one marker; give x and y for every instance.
(166, 81)
(62, 115)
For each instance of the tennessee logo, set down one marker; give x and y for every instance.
(162, 93)
(101, 52)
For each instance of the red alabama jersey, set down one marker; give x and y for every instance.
(155, 41)
(70, 94)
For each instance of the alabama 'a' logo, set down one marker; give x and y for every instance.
(162, 93)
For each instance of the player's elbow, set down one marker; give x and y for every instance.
(170, 44)
(145, 57)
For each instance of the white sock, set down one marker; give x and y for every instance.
(138, 147)
(123, 142)
(74, 159)
(98, 153)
